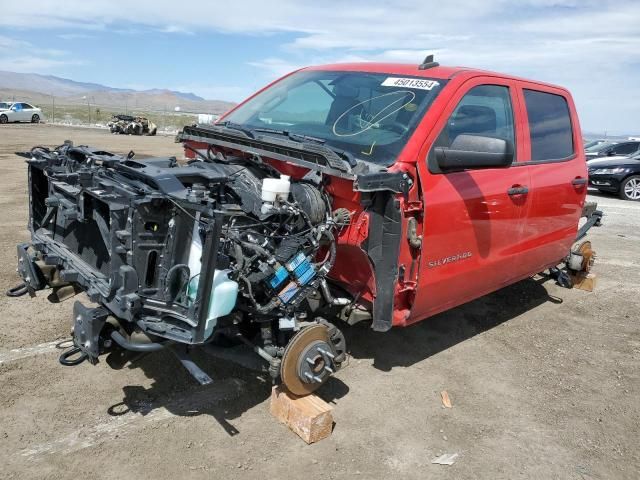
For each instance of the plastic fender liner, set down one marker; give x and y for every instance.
(383, 247)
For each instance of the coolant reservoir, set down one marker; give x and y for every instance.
(224, 293)
(276, 189)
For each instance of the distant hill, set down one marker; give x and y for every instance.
(40, 88)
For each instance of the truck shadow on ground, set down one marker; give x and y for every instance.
(403, 347)
(236, 389)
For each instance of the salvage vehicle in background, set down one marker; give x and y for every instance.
(620, 175)
(20, 112)
(132, 125)
(339, 194)
(613, 149)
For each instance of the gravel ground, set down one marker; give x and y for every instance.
(544, 381)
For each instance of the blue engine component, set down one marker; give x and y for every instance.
(280, 276)
(300, 270)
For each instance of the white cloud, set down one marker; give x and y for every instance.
(8, 44)
(32, 64)
(176, 29)
(276, 67)
(73, 36)
(21, 56)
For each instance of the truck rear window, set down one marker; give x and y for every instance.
(549, 126)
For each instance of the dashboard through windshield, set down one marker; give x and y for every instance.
(369, 115)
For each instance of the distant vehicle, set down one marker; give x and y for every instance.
(615, 149)
(5, 105)
(619, 175)
(595, 148)
(20, 112)
(594, 143)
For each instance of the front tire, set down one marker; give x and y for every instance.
(630, 188)
(4, 118)
(35, 118)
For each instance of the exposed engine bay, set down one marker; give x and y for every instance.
(187, 255)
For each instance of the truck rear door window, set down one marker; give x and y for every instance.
(549, 126)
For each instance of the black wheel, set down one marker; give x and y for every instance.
(35, 118)
(630, 188)
(4, 118)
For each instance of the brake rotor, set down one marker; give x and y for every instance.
(307, 361)
(588, 255)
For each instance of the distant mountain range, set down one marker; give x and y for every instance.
(40, 88)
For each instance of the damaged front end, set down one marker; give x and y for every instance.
(181, 256)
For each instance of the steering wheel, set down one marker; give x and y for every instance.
(396, 127)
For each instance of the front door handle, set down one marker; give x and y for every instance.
(579, 181)
(518, 190)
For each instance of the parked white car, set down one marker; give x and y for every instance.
(21, 112)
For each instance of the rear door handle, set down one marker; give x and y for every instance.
(579, 181)
(518, 190)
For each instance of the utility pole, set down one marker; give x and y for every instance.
(53, 109)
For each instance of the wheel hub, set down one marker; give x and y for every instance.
(308, 360)
(632, 189)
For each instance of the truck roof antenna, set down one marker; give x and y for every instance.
(428, 63)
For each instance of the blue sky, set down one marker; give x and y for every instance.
(227, 50)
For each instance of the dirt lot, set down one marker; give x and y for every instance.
(544, 381)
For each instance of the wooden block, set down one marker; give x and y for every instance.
(584, 281)
(310, 417)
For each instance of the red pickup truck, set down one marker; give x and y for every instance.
(337, 194)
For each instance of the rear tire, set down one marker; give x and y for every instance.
(630, 188)
(4, 118)
(35, 118)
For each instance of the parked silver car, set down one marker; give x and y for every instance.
(20, 112)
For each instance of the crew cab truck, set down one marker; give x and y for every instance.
(338, 194)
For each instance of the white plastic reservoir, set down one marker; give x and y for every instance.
(195, 252)
(276, 189)
(224, 291)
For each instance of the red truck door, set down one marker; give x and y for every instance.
(555, 159)
(473, 218)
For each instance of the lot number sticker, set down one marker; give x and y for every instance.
(409, 83)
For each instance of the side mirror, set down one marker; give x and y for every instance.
(610, 153)
(475, 151)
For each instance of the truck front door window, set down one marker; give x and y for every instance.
(486, 111)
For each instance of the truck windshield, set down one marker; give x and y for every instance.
(369, 115)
